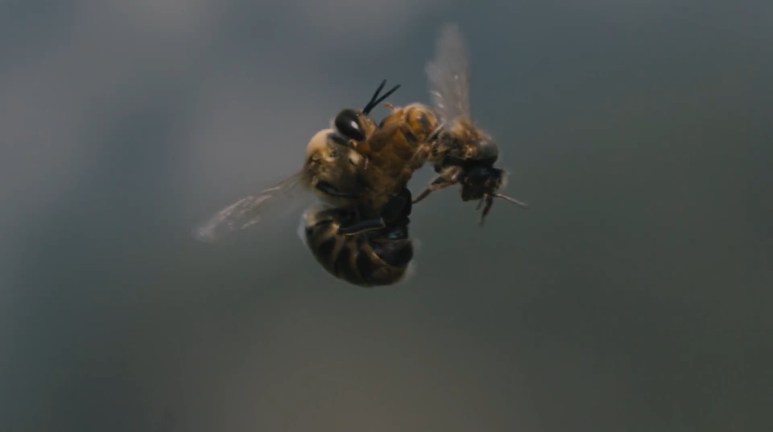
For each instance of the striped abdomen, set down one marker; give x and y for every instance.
(373, 258)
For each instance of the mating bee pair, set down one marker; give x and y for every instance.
(360, 171)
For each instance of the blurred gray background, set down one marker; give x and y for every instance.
(633, 296)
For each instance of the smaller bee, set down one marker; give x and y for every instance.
(462, 153)
(366, 258)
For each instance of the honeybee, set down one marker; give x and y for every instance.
(353, 239)
(461, 153)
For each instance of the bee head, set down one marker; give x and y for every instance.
(482, 181)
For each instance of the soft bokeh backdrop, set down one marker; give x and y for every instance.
(633, 296)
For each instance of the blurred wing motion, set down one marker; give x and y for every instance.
(449, 76)
(282, 198)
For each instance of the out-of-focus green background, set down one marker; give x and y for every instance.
(633, 296)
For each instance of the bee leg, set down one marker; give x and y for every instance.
(489, 202)
(394, 213)
(436, 132)
(436, 185)
(331, 190)
(422, 195)
(361, 226)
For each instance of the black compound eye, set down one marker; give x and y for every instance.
(347, 122)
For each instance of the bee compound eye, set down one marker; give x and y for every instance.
(347, 122)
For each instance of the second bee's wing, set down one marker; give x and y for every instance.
(253, 208)
(449, 75)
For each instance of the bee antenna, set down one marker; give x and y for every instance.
(375, 99)
(512, 200)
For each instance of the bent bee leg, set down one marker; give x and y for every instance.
(395, 212)
(331, 190)
(358, 227)
(489, 200)
(436, 133)
(443, 181)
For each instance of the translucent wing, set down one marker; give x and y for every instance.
(449, 76)
(279, 199)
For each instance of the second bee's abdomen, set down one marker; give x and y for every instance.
(396, 150)
(365, 259)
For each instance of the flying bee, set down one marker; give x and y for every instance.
(352, 239)
(462, 153)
